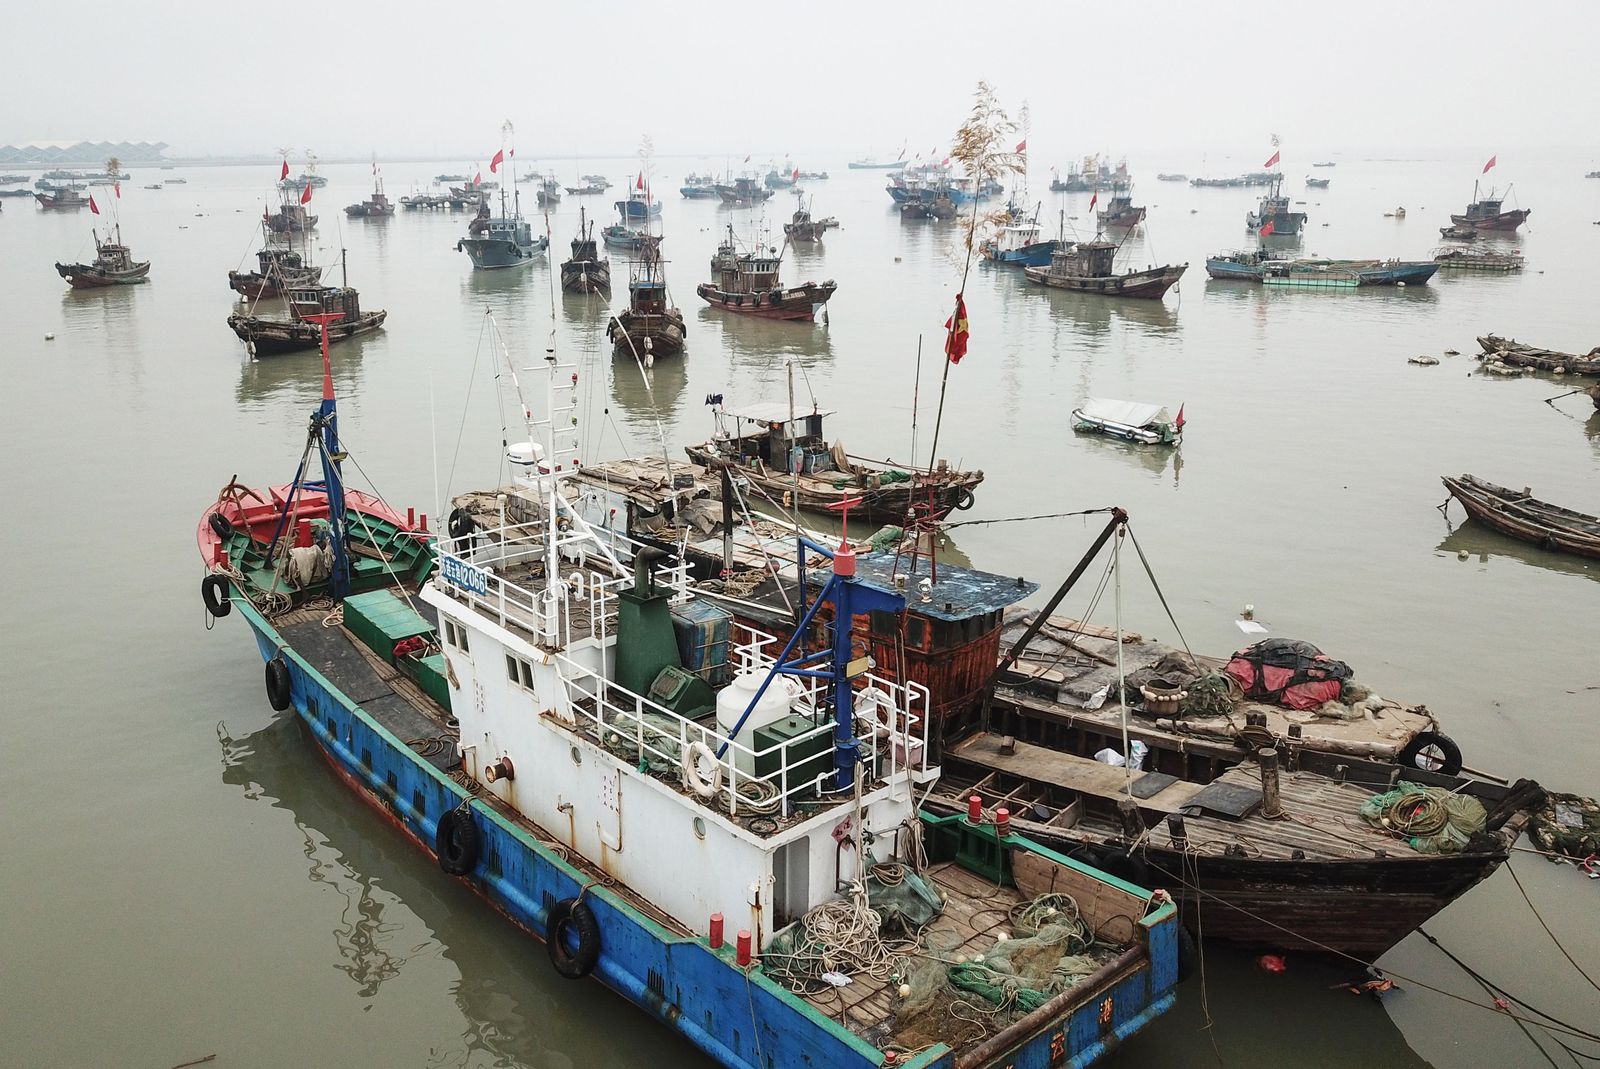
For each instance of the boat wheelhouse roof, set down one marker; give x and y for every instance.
(959, 594)
(769, 412)
(1127, 413)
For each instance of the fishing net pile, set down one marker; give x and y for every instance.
(1432, 819)
(957, 998)
(1569, 825)
(864, 933)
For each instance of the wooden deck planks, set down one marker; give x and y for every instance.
(1069, 771)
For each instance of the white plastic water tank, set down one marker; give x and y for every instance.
(735, 698)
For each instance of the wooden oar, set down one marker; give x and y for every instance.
(1559, 396)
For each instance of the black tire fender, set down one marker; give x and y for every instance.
(214, 592)
(456, 841)
(573, 915)
(1126, 867)
(278, 688)
(1188, 954)
(1410, 755)
(965, 499)
(461, 524)
(220, 525)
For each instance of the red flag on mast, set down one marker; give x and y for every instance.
(955, 345)
(93, 207)
(1268, 229)
(1094, 200)
(1272, 162)
(116, 187)
(1492, 161)
(1178, 423)
(477, 178)
(640, 183)
(796, 174)
(499, 158)
(305, 194)
(283, 174)
(1022, 146)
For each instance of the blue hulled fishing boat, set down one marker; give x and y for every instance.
(681, 807)
(638, 204)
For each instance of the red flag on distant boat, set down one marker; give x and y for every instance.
(955, 345)
(945, 162)
(1267, 229)
(305, 194)
(285, 172)
(513, 152)
(1022, 146)
(116, 187)
(1094, 200)
(93, 207)
(640, 183)
(1178, 423)
(1272, 162)
(1492, 161)
(796, 175)
(499, 158)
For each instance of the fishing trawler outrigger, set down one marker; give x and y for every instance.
(683, 810)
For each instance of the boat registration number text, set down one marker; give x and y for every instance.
(458, 572)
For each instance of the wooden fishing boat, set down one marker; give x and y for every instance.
(64, 199)
(1520, 515)
(377, 206)
(743, 192)
(1120, 212)
(1245, 265)
(650, 326)
(265, 336)
(796, 464)
(1318, 183)
(1250, 813)
(585, 271)
(699, 187)
(500, 241)
(1459, 233)
(1489, 213)
(619, 236)
(279, 268)
(747, 283)
(801, 227)
(113, 265)
(290, 218)
(1510, 351)
(1088, 267)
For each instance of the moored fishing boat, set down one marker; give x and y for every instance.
(1245, 265)
(785, 460)
(620, 236)
(1090, 266)
(1019, 243)
(743, 191)
(505, 240)
(1318, 183)
(1235, 819)
(1120, 212)
(638, 204)
(279, 268)
(64, 198)
(802, 227)
(585, 271)
(1510, 351)
(376, 206)
(748, 283)
(1459, 233)
(683, 779)
(113, 265)
(1274, 214)
(1518, 514)
(650, 325)
(317, 315)
(1130, 421)
(1488, 212)
(699, 187)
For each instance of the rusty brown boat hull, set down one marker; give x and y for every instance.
(1149, 285)
(793, 303)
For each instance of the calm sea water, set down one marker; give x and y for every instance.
(183, 876)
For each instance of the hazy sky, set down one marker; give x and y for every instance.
(406, 78)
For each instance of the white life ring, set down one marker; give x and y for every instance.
(702, 784)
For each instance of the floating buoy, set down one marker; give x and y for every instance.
(1272, 963)
(1462, 554)
(49, 337)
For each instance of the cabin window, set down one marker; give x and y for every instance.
(917, 632)
(519, 671)
(455, 635)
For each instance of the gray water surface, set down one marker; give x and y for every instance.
(183, 875)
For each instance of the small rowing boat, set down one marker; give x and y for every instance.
(1521, 515)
